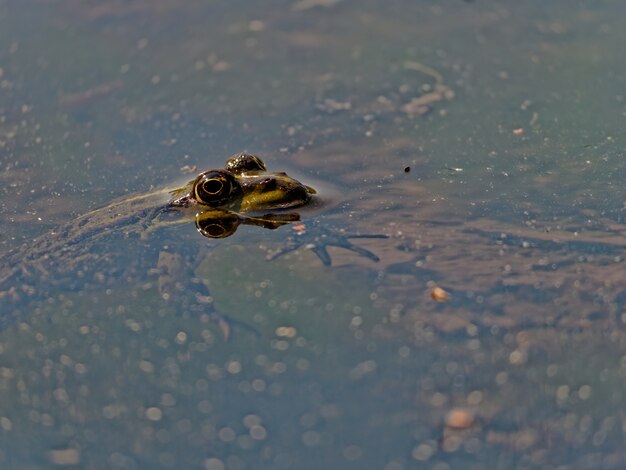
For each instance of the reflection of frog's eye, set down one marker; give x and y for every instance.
(215, 231)
(217, 224)
(215, 187)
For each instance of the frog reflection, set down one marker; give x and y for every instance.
(222, 224)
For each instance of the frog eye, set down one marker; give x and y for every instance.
(244, 163)
(215, 188)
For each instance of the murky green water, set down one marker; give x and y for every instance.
(485, 138)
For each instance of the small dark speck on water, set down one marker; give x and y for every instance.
(407, 169)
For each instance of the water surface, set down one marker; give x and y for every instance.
(485, 138)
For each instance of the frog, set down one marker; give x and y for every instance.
(218, 201)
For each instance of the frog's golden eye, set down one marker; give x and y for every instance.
(215, 188)
(212, 186)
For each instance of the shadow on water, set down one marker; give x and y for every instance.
(483, 139)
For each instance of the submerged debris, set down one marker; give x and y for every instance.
(64, 456)
(423, 104)
(460, 418)
(72, 100)
(439, 295)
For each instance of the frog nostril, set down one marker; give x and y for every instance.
(268, 184)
